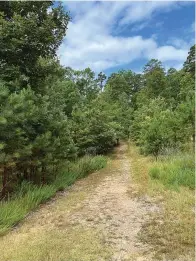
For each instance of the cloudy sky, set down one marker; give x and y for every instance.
(108, 36)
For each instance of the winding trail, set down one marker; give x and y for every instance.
(96, 219)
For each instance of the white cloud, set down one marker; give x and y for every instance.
(168, 53)
(106, 52)
(138, 11)
(91, 40)
(178, 43)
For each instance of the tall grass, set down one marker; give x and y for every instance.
(29, 196)
(175, 170)
(79, 169)
(170, 231)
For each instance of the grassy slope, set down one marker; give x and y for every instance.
(171, 232)
(30, 196)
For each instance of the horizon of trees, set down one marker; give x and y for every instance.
(50, 114)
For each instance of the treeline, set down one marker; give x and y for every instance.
(157, 106)
(50, 114)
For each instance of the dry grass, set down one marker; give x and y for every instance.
(63, 245)
(171, 231)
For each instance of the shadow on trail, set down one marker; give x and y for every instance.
(118, 152)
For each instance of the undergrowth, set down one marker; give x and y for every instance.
(169, 183)
(29, 196)
(174, 171)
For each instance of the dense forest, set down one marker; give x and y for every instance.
(52, 115)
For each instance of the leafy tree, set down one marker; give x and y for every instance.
(172, 88)
(186, 107)
(189, 64)
(29, 31)
(115, 86)
(153, 65)
(151, 126)
(154, 79)
(85, 82)
(101, 78)
(35, 131)
(95, 127)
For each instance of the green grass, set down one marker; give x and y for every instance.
(175, 170)
(169, 231)
(29, 196)
(14, 210)
(79, 169)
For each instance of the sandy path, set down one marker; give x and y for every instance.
(95, 220)
(115, 213)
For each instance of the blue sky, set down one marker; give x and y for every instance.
(109, 36)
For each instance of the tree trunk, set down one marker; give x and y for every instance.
(43, 174)
(31, 173)
(25, 174)
(193, 137)
(4, 182)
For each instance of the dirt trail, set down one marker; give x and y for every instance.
(97, 219)
(112, 209)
